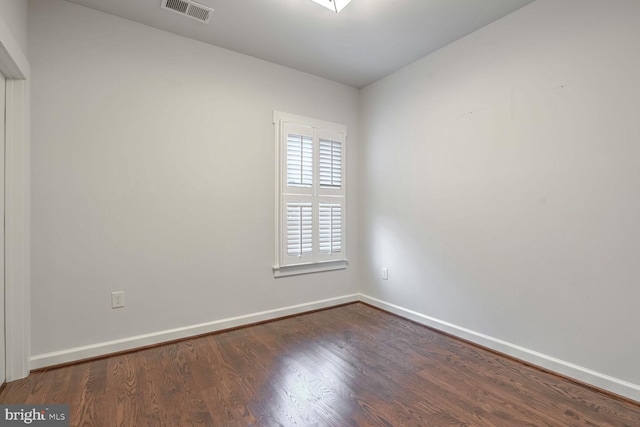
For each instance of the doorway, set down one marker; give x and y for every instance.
(3, 369)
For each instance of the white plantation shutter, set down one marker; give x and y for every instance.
(299, 229)
(299, 160)
(311, 196)
(330, 167)
(330, 228)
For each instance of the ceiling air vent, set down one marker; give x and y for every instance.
(189, 8)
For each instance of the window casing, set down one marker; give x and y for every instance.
(311, 195)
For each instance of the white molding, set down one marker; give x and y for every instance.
(17, 258)
(597, 379)
(105, 348)
(316, 267)
(15, 67)
(13, 62)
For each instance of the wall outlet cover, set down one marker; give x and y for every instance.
(117, 299)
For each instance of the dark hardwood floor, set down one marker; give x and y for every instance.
(348, 366)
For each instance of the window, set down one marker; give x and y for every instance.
(311, 196)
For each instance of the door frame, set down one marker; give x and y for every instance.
(15, 67)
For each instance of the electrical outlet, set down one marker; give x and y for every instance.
(385, 273)
(117, 299)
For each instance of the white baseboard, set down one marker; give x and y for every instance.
(109, 347)
(597, 379)
(605, 382)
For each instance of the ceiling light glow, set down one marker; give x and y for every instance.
(334, 5)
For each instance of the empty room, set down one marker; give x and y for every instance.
(320, 212)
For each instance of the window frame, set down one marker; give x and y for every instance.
(319, 129)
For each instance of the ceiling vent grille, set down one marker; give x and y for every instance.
(189, 8)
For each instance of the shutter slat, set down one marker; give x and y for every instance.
(299, 160)
(299, 229)
(330, 228)
(330, 163)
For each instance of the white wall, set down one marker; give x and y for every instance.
(500, 184)
(14, 14)
(153, 173)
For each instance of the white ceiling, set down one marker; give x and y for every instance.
(368, 40)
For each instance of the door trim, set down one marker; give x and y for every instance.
(15, 67)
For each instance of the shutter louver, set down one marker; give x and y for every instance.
(299, 229)
(330, 163)
(299, 160)
(330, 228)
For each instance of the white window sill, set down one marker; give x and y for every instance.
(294, 270)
